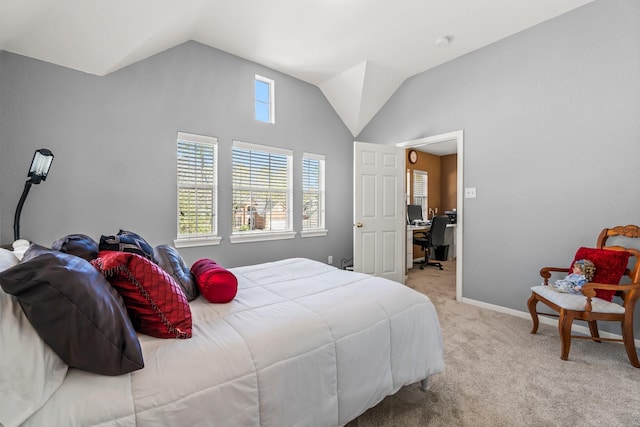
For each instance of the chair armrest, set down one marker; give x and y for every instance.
(589, 290)
(592, 286)
(545, 272)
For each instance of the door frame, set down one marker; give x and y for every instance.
(458, 137)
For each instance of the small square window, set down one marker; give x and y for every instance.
(264, 99)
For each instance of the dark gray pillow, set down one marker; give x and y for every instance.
(127, 241)
(170, 260)
(76, 312)
(77, 244)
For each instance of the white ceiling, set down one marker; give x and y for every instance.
(440, 148)
(357, 52)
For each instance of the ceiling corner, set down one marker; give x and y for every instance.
(358, 93)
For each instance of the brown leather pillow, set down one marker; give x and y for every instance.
(76, 312)
(34, 250)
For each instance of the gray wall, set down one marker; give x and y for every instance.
(551, 120)
(114, 142)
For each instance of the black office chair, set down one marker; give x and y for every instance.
(432, 239)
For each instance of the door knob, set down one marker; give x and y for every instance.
(359, 225)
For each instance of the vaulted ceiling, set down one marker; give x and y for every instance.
(358, 52)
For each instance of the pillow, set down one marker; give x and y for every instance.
(127, 241)
(75, 310)
(7, 259)
(610, 266)
(78, 245)
(170, 260)
(216, 284)
(33, 250)
(31, 371)
(36, 371)
(156, 304)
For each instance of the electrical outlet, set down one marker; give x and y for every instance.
(330, 259)
(470, 193)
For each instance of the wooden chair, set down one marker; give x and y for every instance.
(589, 308)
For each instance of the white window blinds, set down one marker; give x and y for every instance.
(261, 188)
(313, 194)
(197, 185)
(420, 190)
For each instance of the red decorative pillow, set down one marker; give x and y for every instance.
(155, 302)
(610, 266)
(215, 283)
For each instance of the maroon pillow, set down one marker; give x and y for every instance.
(155, 302)
(610, 266)
(215, 283)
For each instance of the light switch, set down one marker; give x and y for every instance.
(470, 192)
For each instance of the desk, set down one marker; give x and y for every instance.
(449, 239)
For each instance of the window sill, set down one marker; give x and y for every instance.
(197, 241)
(314, 233)
(261, 236)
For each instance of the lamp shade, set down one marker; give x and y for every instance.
(40, 165)
(38, 172)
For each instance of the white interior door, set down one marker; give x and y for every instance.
(379, 230)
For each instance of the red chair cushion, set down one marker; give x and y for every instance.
(215, 283)
(155, 302)
(610, 266)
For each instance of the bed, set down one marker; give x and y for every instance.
(301, 344)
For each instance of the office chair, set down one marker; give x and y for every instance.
(432, 239)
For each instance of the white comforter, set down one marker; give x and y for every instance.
(302, 344)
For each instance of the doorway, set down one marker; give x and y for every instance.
(448, 143)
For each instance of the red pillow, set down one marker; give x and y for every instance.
(610, 266)
(215, 283)
(155, 302)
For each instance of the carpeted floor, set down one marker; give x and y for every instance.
(498, 374)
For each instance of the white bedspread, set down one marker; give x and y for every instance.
(302, 344)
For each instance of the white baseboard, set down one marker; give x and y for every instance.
(543, 319)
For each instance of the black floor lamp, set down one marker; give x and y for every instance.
(40, 165)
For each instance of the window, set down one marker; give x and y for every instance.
(264, 102)
(197, 190)
(313, 195)
(261, 193)
(420, 190)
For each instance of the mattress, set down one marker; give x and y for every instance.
(302, 344)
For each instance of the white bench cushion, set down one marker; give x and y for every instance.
(576, 302)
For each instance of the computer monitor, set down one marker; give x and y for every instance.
(414, 213)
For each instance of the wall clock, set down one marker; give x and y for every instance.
(413, 156)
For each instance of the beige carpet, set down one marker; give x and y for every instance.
(498, 374)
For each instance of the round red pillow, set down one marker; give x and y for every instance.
(216, 283)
